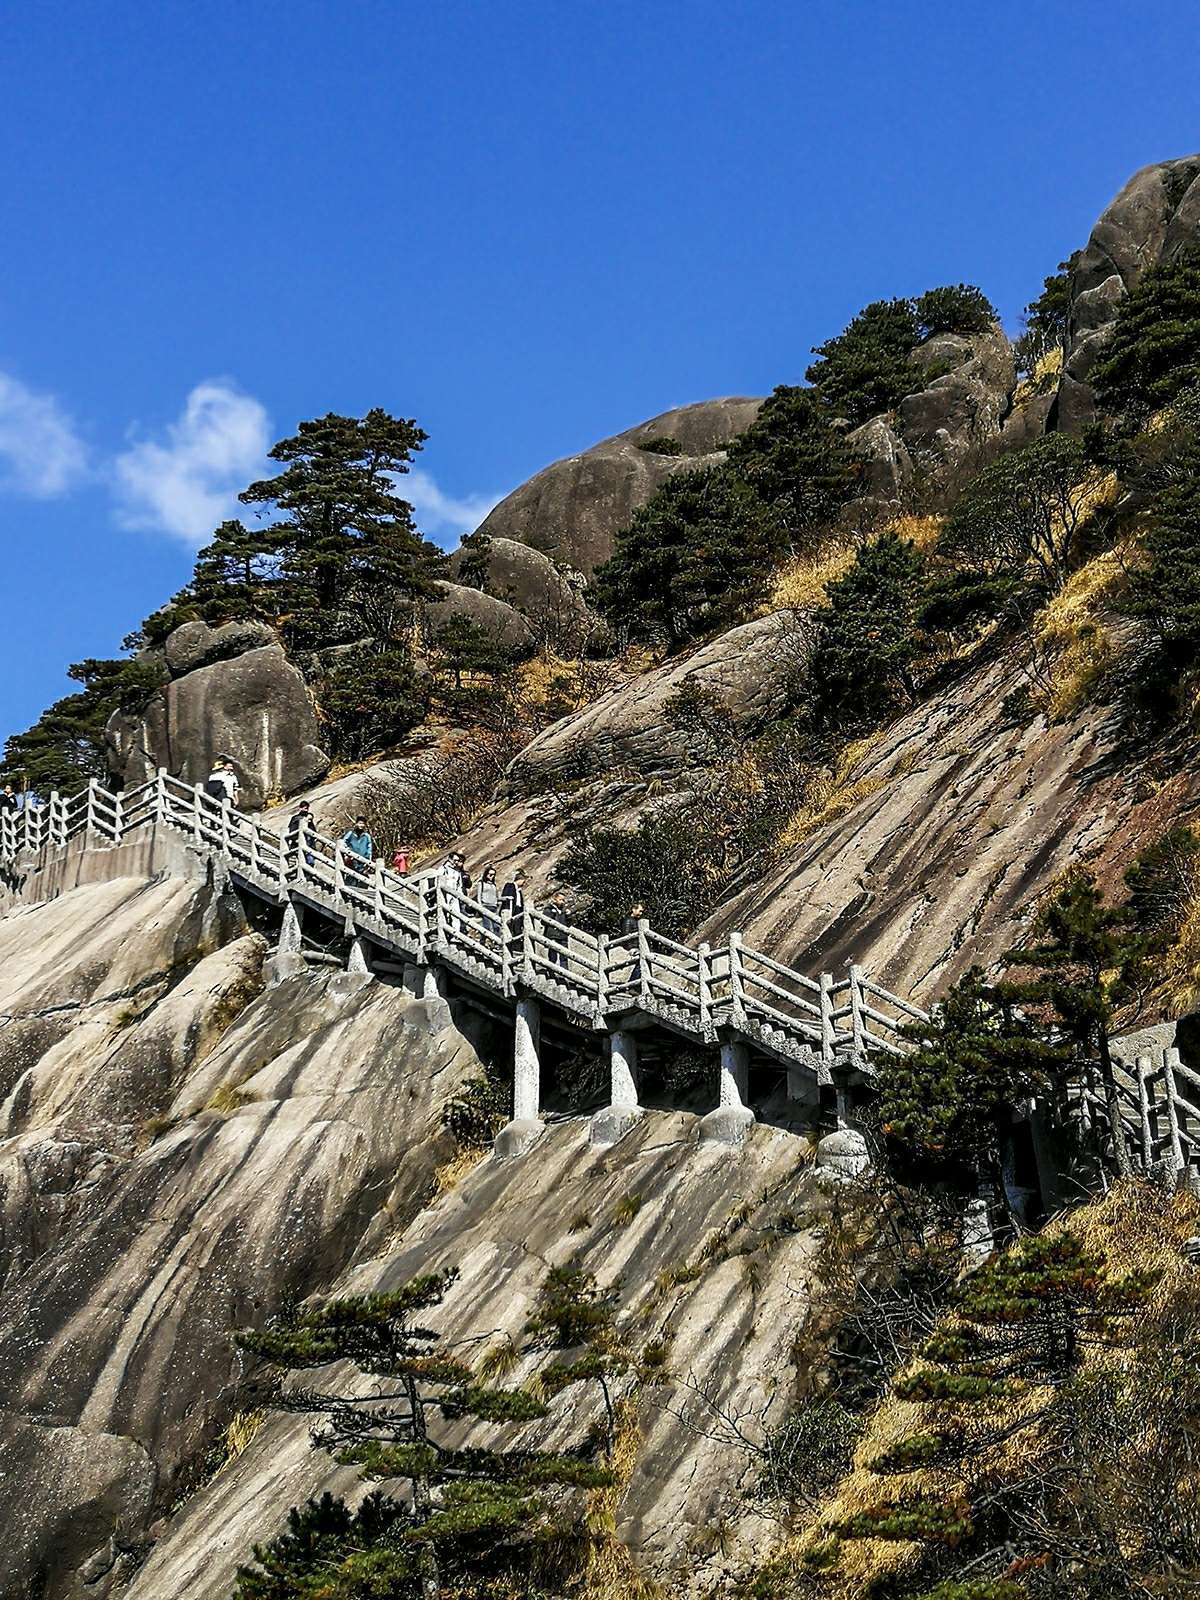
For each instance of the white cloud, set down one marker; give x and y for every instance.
(189, 483)
(439, 515)
(41, 454)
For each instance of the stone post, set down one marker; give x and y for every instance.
(623, 1111)
(729, 1122)
(288, 960)
(526, 1125)
(358, 972)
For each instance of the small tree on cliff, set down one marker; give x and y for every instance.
(1007, 1362)
(1082, 960)
(340, 526)
(696, 557)
(465, 1502)
(946, 1102)
(797, 461)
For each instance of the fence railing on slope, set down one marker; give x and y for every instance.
(1158, 1110)
(694, 989)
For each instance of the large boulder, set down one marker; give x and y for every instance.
(750, 672)
(195, 644)
(1155, 217)
(254, 710)
(496, 617)
(573, 509)
(530, 582)
(948, 424)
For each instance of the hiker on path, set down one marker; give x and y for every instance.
(8, 800)
(402, 859)
(300, 831)
(557, 909)
(637, 914)
(359, 849)
(512, 901)
(487, 895)
(222, 783)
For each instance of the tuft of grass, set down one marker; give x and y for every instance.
(1076, 646)
(802, 582)
(653, 1363)
(626, 1209)
(499, 1359)
(833, 793)
(579, 1223)
(153, 1128)
(227, 1097)
(241, 1431)
(451, 1173)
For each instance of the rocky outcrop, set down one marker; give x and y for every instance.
(572, 510)
(963, 814)
(501, 621)
(948, 425)
(733, 1327)
(182, 1153)
(195, 644)
(253, 710)
(1155, 216)
(553, 605)
(749, 673)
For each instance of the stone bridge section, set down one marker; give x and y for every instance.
(740, 1001)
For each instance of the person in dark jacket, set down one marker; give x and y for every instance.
(300, 830)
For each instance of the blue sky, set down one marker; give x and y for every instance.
(527, 224)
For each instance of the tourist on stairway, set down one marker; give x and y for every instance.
(301, 828)
(487, 893)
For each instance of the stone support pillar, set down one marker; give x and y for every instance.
(729, 1123)
(526, 1125)
(288, 960)
(623, 1110)
(358, 972)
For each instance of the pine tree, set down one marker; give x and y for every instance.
(866, 369)
(1022, 1325)
(237, 574)
(1025, 513)
(392, 1427)
(869, 640)
(574, 1314)
(947, 1101)
(796, 461)
(340, 524)
(697, 556)
(1084, 959)
(66, 746)
(1165, 592)
(1153, 353)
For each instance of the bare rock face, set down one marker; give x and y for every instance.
(496, 617)
(948, 424)
(1155, 217)
(530, 582)
(889, 463)
(733, 1328)
(749, 671)
(965, 814)
(180, 1152)
(572, 510)
(195, 644)
(253, 709)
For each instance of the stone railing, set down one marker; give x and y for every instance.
(1156, 1126)
(726, 994)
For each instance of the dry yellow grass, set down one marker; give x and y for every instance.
(1077, 647)
(802, 582)
(833, 794)
(451, 1173)
(1044, 377)
(1136, 1227)
(241, 1431)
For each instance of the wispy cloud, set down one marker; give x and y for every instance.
(440, 515)
(188, 482)
(41, 453)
